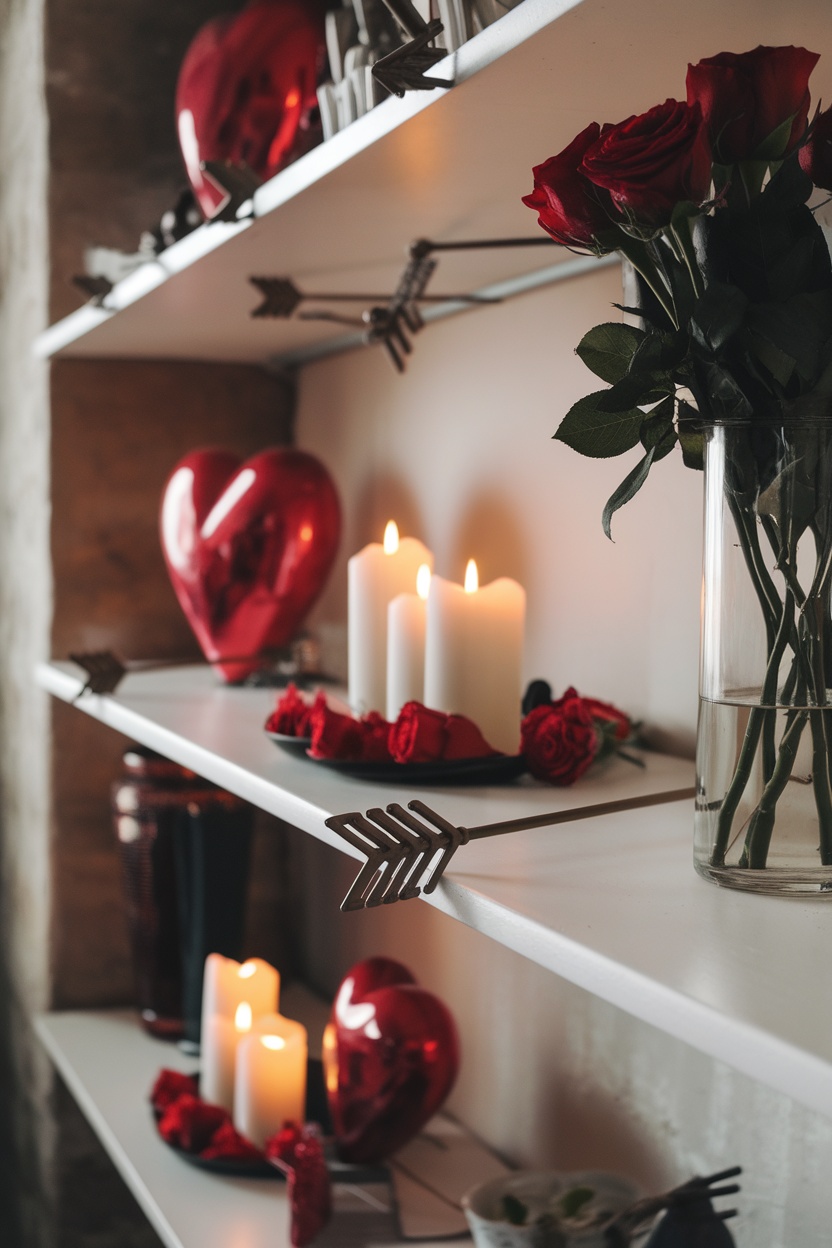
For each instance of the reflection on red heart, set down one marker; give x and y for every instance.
(246, 89)
(391, 1055)
(248, 547)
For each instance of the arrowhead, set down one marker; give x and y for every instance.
(280, 296)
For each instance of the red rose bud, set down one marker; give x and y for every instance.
(419, 735)
(816, 154)
(169, 1086)
(653, 162)
(754, 104)
(375, 735)
(609, 714)
(464, 739)
(291, 714)
(228, 1143)
(190, 1123)
(334, 735)
(559, 741)
(569, 207)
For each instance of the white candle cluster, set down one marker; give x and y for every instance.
(253, 1059)
(414, 636)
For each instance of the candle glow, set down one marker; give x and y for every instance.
(243, 1017)
(472, 577)
(423, 581)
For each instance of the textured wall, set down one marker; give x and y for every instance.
(117, 430)
(24, 622)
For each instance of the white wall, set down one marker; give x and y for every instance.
(459, 451)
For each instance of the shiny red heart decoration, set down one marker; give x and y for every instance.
(248, 547)
(246, 89)
(391, 1055)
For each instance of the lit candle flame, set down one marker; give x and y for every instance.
(330, 1056)
(273, 1042)
(247, 969)
(472, 580)
(243, 1019)
(391, 538)
(423, 581)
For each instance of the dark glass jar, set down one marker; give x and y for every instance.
(185, 849)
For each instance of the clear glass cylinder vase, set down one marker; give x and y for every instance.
(764, 742)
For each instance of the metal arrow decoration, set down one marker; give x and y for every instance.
(405, 68)
(407, 855)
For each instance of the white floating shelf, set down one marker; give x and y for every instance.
(610, 902)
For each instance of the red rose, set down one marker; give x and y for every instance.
(169, 1086)
(291, 714)
(334, 735)
(375, 735)
(464, 739)
(560, 740)
(816, 155)
(190, 1123)
(418, 735)
(227, 1142)
(653, 162)
(570, 208)
(609, 714)
(745, 97)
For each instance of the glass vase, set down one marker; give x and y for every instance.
(764, 742)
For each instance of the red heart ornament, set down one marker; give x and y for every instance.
(248, 547)
(391, 1055)
(246, 89)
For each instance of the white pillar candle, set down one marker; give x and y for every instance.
(220, 1043)
(474, 654)
(375, 576)
(406, 625)
(226, 983)
(233, 994)
(270, 1084)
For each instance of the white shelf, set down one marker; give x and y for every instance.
(609, 902)
(341, 217)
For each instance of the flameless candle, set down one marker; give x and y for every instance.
(233, 994)
(225, 983)
(270, 1084)
(376, 575)
(406, 624)
(220, 1042)
(474, 654)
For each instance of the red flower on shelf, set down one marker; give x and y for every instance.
(227, 1142)
(291, 715)
(169, 1086)
(298, 1152)
(190, 1124)
(562, 739)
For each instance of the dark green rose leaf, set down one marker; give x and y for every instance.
(691, 438)
(658, 433)
(608, 349)
(628, 489)
(634, 390)
(717, 316)
(643, 314)
(591, 430)
(773, 147)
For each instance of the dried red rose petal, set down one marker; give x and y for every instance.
(169, 1086)
(190, 1123)
(228, 1143)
